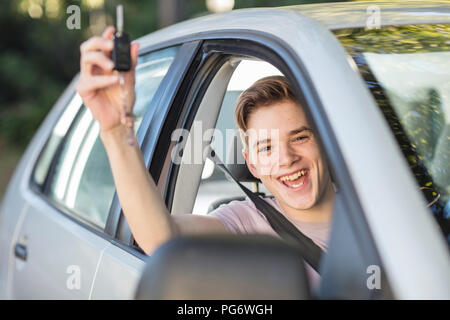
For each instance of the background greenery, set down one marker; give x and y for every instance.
(39, 55)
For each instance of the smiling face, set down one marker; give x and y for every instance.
(283, 152)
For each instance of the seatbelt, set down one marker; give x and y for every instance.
(310, 251)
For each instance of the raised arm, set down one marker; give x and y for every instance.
(146, 213)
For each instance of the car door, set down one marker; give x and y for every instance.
(58, 243)
(64, 233)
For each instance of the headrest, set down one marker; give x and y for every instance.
(222, 267)
(235, 161)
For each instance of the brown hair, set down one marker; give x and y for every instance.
(263, 92)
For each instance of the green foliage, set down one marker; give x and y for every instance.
(38, 59)
(392, 39)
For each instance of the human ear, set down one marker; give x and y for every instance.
(250, 165)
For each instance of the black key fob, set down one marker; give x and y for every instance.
(121, 53)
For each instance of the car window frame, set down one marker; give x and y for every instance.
(268, 48)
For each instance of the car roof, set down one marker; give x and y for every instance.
(331, 16)
(355, 14)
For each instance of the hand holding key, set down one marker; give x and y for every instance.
(99, 84)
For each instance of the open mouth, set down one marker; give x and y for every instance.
(295, 180)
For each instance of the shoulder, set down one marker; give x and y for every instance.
(234, 215)
(241, 217)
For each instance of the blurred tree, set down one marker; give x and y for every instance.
(37, 59)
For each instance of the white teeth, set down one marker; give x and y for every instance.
(297, 185)
(293, 176)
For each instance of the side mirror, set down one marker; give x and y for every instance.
(224, 267)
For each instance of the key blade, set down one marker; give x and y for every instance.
(119, 19)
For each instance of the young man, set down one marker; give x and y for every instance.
(288, 162)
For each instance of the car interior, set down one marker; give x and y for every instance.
(233, 78)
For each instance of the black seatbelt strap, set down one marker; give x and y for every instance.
(310, 251)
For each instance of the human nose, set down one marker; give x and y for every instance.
(286, 155)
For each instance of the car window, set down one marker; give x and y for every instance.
(214, 184)
(407, 70)
(60, 130)
(82, 180)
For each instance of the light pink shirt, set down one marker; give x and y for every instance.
(243, 217)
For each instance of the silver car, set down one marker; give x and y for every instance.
(374, 79)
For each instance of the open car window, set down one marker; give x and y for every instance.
(215, 187)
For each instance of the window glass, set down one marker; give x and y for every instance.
(82, 179)
(57, 135)
(214, 185)
(407, 70)
(150, 71)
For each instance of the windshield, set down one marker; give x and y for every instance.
(407, 70)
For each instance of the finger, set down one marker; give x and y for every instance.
(97, 82)
(109, 31)
(95, 44)
(95, 58)
(134, 52)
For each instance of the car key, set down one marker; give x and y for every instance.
(121, 52)
(122, 63)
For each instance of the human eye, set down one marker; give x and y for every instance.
(301, 138)
(264, 149)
